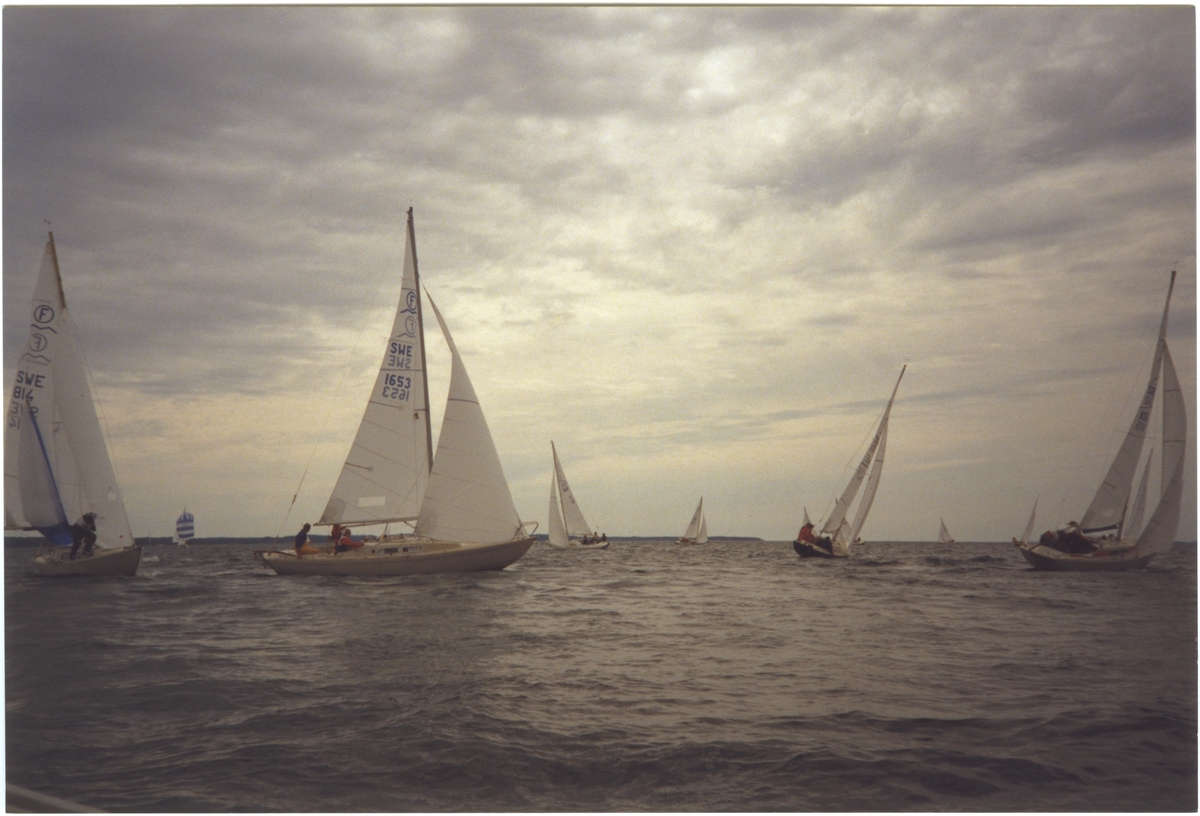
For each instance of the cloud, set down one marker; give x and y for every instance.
(692, 245)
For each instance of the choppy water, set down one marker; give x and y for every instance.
(649, 677)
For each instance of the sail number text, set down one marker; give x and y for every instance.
(396, 387)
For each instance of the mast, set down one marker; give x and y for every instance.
(412, 241)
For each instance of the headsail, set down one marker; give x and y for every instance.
(575, 522)
(868, 498)
(467, 498)
(1108, 505)
(694, 525)
(557, 532)
(1160, 530)
(385, 474)
(1133, 523)
(702, 533)
(53, 385)
(1032, 520)
(834, 523)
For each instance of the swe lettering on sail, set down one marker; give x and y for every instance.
(399, 355)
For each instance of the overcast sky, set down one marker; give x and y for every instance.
(693, 246)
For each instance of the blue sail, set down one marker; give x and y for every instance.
(40, 500)
(185, 526)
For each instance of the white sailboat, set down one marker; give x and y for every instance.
(185, 528)
(697, 529)
(56, 462)
(837, 533)
(944, 536)
(1106, 538)
(566, 519)
(458, 501)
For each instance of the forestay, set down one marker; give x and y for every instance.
(385, 474)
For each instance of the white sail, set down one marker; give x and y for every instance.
(467, 498)
(572, 515)
(557, 533)
(1160, 531)
(1032, 520)
(1133, 523)
(868, 498)
(834, 523)
(1108, 505)
(702, 533)
(694, 525)
(944, 536)
(52, 382)
(40, 502)
(384, 477)
(185, 527)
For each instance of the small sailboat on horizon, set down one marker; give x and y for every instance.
(944, 536)
(56, 461)
(565, 517)
(697, 529)
(1107, 538)
(838, 533)
(457, 499)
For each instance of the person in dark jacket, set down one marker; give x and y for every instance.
(83, 532)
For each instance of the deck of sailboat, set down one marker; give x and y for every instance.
(113, 561)
(1045, 558)
(410, 557)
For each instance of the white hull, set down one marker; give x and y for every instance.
(123, 561)
(689, 541)
(405, 557)
(575, 545)
(1046, 558)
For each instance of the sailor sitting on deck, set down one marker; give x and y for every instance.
(346, 543)
(83, 532)
(806, 535)
(1067, 539)
(302, 546)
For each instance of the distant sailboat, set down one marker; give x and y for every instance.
(566, 519)
(185, 528)
(1106, 539)
(56, 463)
(944, 534)
(838, 533)
(697, 529)
(458, 502)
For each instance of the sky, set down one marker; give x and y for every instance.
(693, 246)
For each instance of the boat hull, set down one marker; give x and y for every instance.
(122, 561)
(1045, 558)
(414, 557)
(805, 549)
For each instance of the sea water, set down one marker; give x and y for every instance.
(646, 677)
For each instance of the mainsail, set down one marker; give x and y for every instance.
(1133, 524)
(575, 522)
(385, 473)
(52, 386)
(1106, 512)
(944, 536)
(467, 498)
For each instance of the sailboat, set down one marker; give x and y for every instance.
(837, 533)
(56, 462)
(185, 528)
(1107, 538)
(697, 529)
(566, 519)
(944, 536)
(457, 499)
